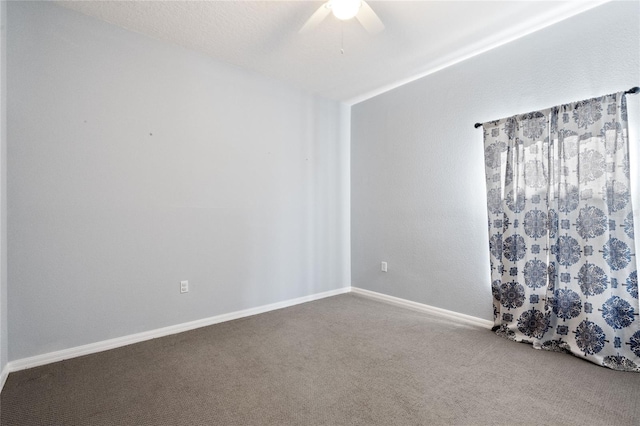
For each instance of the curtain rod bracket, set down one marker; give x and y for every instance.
(631, 91)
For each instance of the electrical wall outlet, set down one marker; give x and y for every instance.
(383, 266)
(184, 286)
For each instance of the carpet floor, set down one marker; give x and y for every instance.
(343, 360)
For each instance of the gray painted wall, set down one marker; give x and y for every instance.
(4, 341)
(417, 171)
(134, 164)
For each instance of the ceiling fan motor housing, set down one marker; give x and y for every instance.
(344, 9)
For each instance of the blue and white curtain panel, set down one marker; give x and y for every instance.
(561, 233)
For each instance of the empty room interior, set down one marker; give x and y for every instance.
(274, 213)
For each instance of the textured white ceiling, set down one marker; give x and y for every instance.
(262, 36)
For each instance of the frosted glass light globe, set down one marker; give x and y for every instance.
(345, 9)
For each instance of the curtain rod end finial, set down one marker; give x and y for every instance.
(477, 125)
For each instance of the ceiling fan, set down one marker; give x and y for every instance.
(344, 10)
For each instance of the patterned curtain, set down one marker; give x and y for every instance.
(561, 235)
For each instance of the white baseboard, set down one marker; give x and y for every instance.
(455, 316)
(3, 377)
(48, 358)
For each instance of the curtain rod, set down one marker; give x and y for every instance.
(631, 91)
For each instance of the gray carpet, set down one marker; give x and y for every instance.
(344, 360)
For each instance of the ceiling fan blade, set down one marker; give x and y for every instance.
(317, 17)
(369, 19)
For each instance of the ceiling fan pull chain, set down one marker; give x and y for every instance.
(342, 38)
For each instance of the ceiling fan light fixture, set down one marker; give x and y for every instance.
(345, 9)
